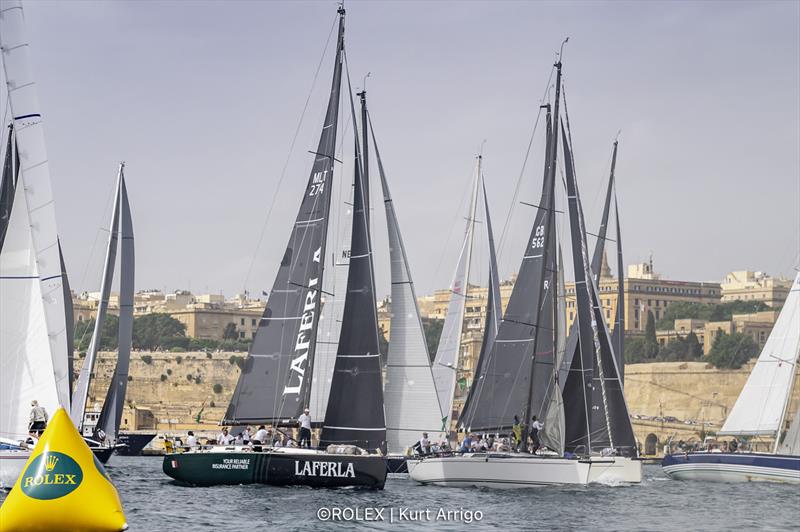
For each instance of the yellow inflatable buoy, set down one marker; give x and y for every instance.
(63, 487)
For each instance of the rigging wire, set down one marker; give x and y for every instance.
(288, 156)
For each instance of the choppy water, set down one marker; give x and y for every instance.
(153, 502)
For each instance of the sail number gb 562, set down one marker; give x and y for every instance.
(538, 238)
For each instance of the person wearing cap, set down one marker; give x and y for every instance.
(38, 419)
(305, 429)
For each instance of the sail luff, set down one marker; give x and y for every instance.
(111, 414)
(355, 413)
(35, 178)
(618, 337)
(69, 315)
(275, 382)
(445, 365)
(412, 406)
(81, 393)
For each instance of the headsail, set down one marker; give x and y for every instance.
(81, 392)
(111, 414)
(69, 316)
(35, 180)
(445, 365)
(791, 443)
(762, 403)
(275, 382)
(8, 184)
(412, 406)
(618, 336)
(355, 406)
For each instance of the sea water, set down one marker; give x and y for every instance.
(152, 501)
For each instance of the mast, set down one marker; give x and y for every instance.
(548, 232)
(355, 413)
(111, 414)
(412, 405)
(365, 148)
(445, 365)
(275, 384)
(618, 336)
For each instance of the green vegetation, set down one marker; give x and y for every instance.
(147, 359)
(707, 311)
(108, 336)
(169, 371)
(433, 331)
(650, 341)
(639, 350)
(178, 359)
(732, 350)
(158, 331)
(163, 377)
(230, 332)
(236, 359)
(217, 388)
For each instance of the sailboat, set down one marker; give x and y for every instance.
(760, 411)
(276, 383)
(412, 404)
(33, 334)
(103, 435)
(517, 374)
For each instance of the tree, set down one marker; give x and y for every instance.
(732, 350)
(153, 331)
(230, 332)
(650, 341)
(695, 347)
(634, 350)
(109, 335)
(433, 331)
(707, 311)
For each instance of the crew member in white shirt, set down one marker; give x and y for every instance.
(191, 441)
(224, 438)
(305, 429)
(262, 436)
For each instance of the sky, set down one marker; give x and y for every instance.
(202, 100)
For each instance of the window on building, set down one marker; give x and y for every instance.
(253, 322)
(241, 333)
(242, 321)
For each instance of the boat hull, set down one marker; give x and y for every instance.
(733, 467)
(103, 453)
(396, 464)
(278, 467)
(614, 469)
(500, 470)
(133, 442)
(11, 464)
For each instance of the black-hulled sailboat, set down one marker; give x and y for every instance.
(276, 382)
(517, 374)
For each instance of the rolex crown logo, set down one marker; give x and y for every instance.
(51, 462)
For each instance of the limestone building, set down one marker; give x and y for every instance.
(755, 286)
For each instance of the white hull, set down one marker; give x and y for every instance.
(498, 470)
(11, 464)
(614, 469)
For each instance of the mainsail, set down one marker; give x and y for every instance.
(69, 317)
(275, 384)
(618, 336)
(445, 365)
(37, 200)
(761, 406)
(8, 184)
(111, 414)
(412, 406)
(355, 406)
(81, 392)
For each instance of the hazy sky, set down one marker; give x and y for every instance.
(202, 100)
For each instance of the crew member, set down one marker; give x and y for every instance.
(38, 420)
(536, 426)
(261, 436)
(516, 429)
(191, 441)
(305, 429)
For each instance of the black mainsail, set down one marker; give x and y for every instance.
(275, 382)
(618, 336)
(355, 412)
(8, 185)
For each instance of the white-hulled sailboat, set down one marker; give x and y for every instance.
(760, 411)
(33, 332)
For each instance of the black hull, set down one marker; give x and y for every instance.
(397, 464)
(133, 443)
(276, 468)
(102, 453)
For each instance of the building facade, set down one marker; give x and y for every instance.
(755, 286)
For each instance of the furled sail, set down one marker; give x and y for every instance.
(35, 179)
(445, 365)
(762, 404)
(355, 413)
(494, 313)
(111, 414)
(552, 435)
(618, 336)
(275, 382)
(412, 406)
(69, 317)
(81, 392)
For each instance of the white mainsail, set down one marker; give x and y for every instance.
(81, 392)
(446, 362)
(33, 339)
(411, 402)
(761, 406)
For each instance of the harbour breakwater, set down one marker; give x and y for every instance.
(174, 392)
